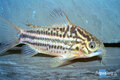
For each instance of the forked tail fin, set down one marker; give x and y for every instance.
(8, 35)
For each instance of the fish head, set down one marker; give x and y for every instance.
(95, 47)
(89, 47)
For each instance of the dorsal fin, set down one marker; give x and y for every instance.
(58, 17)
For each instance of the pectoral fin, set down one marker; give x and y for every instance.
(62, 60)
(27, 51)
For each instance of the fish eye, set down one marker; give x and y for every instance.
(92, 45)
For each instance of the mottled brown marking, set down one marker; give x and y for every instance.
(46, 32)
(68, 36)
(54, 28)
(54, 34)
(83, 43)
(72, 30)
(62, 29)
(57, 33)
(51, 33)
(77, 48)
(55, 47)
(28, 24)
(43, 32)
(34, 26)
(58, 47)
(48, 28)
(60, 35)
(52, 46)
(83, 34)
(66, 31)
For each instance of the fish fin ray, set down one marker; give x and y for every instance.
(62, 60)
(58, 61)
(58, 17)
(5, 46)
(10, 24)
(28, 51)
(9, 35)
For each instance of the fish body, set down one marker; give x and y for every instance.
(62, 39)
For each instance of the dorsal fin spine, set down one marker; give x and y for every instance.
(66, 17)
(58, 17)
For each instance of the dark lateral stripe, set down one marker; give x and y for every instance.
(84, 35)
(37, 44)
(36, 32)
(45, 45)
(28, 36)
(37, 38)
(32, 31)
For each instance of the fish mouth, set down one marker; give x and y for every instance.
(97, 53)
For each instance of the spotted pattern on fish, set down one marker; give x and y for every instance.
(27, 38)
(61, 39)
(53, 38)
(47, 45)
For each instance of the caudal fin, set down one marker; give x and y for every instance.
(8, 35)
